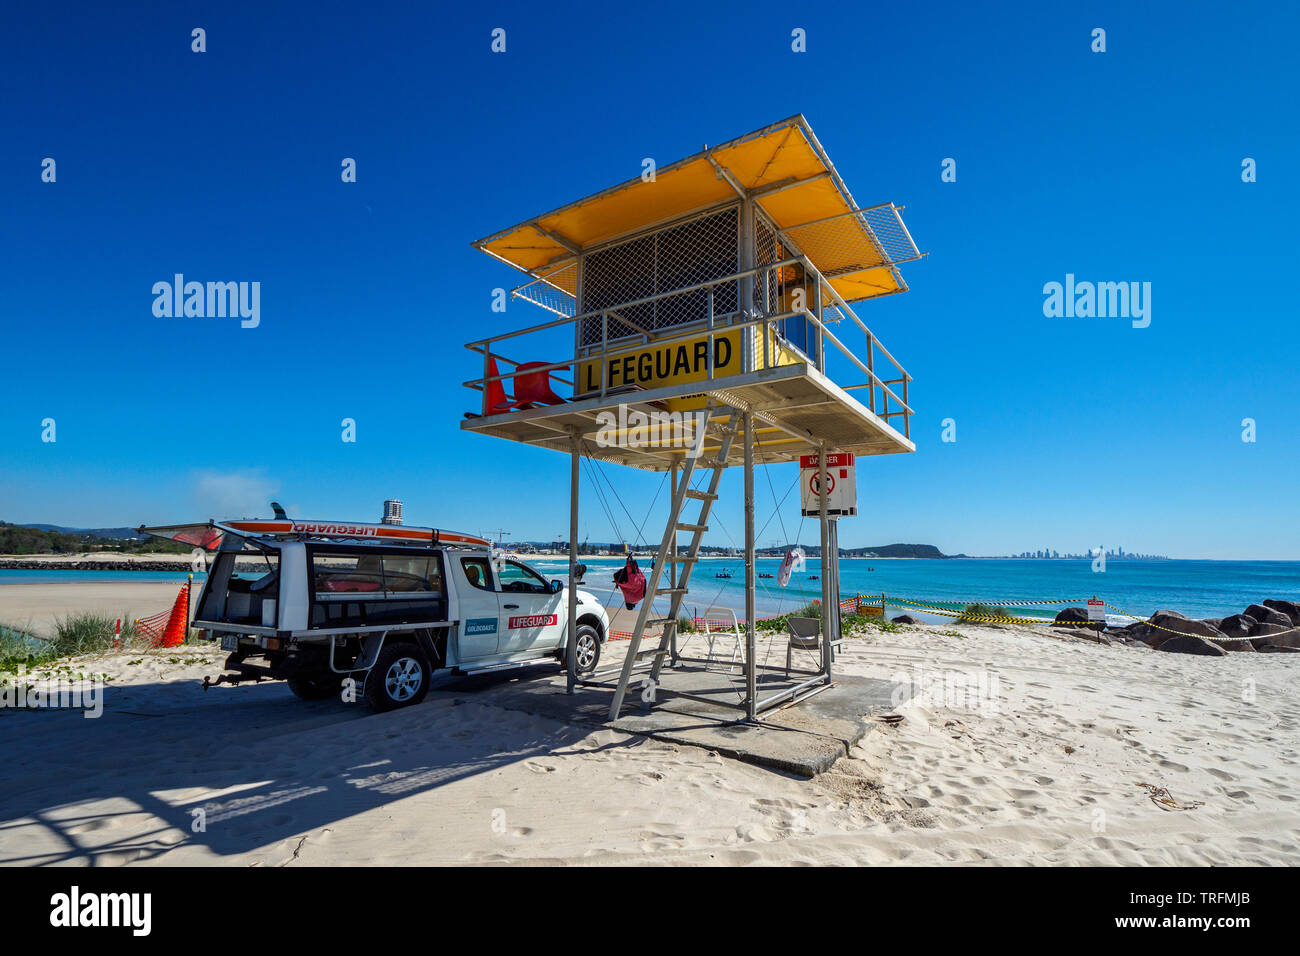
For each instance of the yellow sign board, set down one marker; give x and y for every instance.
(654, 366)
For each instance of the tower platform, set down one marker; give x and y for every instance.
(796, 407)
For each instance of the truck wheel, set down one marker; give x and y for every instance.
(588, 649)
(399, 678)
(316, 686)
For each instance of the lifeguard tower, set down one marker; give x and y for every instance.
(714, 292)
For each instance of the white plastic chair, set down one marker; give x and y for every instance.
(723, 620)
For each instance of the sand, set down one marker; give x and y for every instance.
(1022, 749)
(36, 607)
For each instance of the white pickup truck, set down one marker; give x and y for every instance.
(316, 603)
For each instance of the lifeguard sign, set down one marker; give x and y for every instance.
(842, 496)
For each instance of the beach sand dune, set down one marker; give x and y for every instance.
(1021, 749)
(38, 607)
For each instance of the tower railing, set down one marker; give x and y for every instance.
(822, 307)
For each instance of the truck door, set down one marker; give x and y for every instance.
(531, 614)
(479, 608)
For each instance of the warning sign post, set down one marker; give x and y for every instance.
(842, 495)
(1096, 610)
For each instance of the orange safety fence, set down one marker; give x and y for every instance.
(168, 628)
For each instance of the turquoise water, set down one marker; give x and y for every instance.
(71, 577)
(1196, 588)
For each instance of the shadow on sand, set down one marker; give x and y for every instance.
(262, 765)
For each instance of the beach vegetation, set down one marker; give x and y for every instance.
(21, 648)
(974, 612)
(779, 623)
(16, 539)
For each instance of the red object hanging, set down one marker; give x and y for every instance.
(631, 582)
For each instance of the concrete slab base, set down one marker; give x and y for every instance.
(803, 739)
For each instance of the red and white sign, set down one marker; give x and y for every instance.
(1096, 609)
(842, 488)
(534, 620)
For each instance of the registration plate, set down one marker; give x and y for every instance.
(230, 642)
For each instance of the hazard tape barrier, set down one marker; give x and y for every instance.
(1217, 640)
(855, 604)
(966, 616)
(931, 608)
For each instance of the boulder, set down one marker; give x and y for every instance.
(1171, 624)
(1270, 649)
(1173, 621)
(1153, 637)
(1088, 635)
(1070, 616)
(1288, 639)
(1126, 635)
(1290, 608)
(1265, 630)
(904, 619)
(1239, 625)
(1190, 644)
(1266, 615)
(1237, 646)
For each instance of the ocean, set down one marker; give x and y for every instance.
(1195, 588)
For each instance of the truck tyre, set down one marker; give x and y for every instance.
(316, 686)
(399, 678)
(588, 649)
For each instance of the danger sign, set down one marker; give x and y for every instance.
(841, 488)
(1096, 609)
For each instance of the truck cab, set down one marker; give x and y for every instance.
(336, 608)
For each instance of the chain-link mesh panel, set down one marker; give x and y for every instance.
(767, 283)
(891, 235)
(554, 291)
(672, 258)
(621, 273)
(855, 242)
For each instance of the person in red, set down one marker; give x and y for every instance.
(631, 582)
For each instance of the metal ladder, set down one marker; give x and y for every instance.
(665, 555)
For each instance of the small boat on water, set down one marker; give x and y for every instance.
(723, 574)
(765, 575)
(813, 577)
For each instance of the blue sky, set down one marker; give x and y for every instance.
(1071, 432)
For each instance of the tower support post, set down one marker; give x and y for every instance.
(831, 609)
(751, 662)
(571, 650)
(830, 602)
